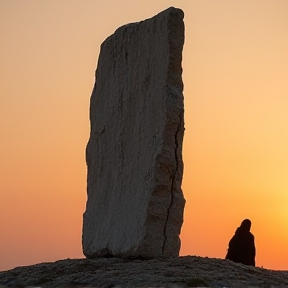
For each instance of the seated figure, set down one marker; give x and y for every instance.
(241, 247)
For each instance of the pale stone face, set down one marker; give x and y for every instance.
(134, 154)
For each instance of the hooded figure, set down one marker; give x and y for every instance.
(241, 247)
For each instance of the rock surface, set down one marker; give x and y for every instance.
(188, 271)
(134, 154)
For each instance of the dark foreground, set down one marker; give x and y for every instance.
(187, 271)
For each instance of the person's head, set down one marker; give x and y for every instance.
(246, 225)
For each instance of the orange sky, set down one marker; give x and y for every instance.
(235, 63)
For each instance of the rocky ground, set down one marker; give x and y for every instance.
(187, 271)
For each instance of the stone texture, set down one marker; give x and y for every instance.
(134, 155)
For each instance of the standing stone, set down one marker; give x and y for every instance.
(134, 154)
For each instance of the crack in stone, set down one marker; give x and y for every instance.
(172, 184)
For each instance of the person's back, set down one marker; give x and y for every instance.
(241, 246)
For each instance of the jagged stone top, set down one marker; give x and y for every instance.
(171, 11)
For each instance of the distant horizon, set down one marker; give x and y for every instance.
(235, 71)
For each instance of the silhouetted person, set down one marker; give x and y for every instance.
(241, 246)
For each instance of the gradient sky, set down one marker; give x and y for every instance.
(235, 63)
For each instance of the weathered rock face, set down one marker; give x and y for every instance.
(134, 154)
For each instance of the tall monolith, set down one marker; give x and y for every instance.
(134, 155)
